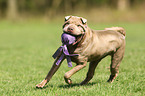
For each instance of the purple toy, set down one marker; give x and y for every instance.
(66, 39)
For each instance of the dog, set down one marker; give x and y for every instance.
(91, 46)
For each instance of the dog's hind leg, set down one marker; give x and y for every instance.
(116, 59)
(73, 71)
(91, 71)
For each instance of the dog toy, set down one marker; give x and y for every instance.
(66, 40)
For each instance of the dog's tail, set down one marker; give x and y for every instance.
(118, 29)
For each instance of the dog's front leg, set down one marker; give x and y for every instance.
(52, 71)
(73, 71)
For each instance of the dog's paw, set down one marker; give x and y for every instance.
(83, 83)
(41, 85)
(112, 77)
(109, 81)
(68, 81)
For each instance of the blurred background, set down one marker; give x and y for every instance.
(94, 10)
(30, 32)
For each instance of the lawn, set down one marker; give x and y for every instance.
(26, 57)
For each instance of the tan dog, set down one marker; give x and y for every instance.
(92, 46)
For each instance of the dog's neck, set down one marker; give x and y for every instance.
(87, 36)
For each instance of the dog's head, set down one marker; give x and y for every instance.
(75, 25)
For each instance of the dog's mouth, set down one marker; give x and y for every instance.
(79, 38)
(75, 29)
(73, 32)
(70, 33)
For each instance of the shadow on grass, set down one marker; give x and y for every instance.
(76, 84)
(68, 86)
(46, 86)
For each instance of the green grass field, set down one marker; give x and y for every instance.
(26, 57)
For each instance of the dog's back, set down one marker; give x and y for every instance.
(118, 29)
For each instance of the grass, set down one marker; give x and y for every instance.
(26, 56)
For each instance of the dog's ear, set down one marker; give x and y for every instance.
(84, 21)
(67, 18)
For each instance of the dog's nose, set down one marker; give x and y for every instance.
(70, 29)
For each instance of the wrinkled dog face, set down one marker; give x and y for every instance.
(75, 25)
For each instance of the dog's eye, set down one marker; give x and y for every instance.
(81, 27)
(65, 24)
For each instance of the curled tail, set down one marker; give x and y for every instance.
(118, 29)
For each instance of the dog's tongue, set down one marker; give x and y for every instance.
(67, 39)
